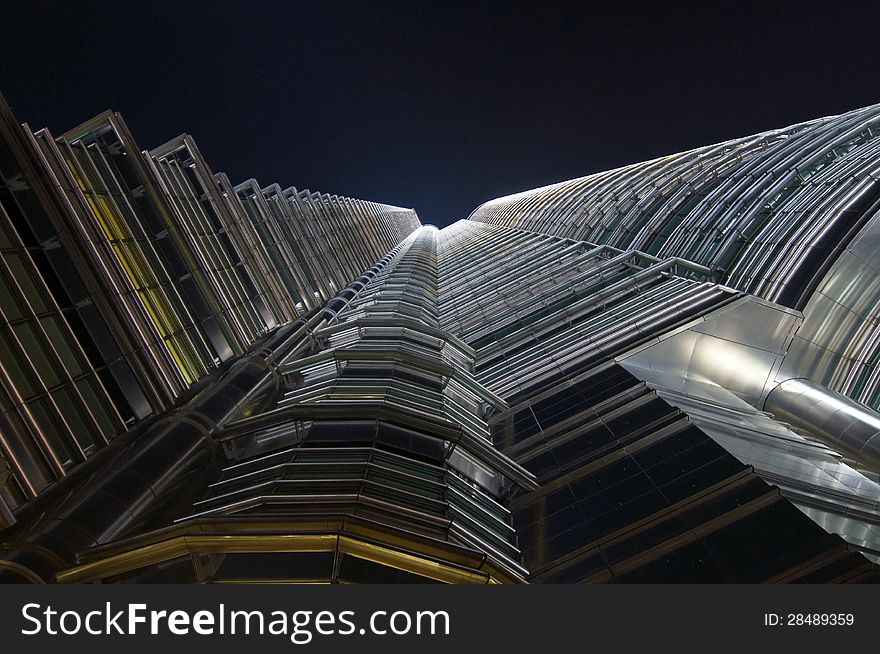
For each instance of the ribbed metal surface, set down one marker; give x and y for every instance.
(548, 318)
(790, 215)
(764, 211)
(128, 276)
(570, 386)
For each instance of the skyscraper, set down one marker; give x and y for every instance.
(661, 373)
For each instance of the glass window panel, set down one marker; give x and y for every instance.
(16, 217)
(125, 391)
(26, 281)
(30, 461)
(52, 428)
(56, 288)
(98, 404)
(38, 354)
(90, 329)
(9, 303)
(64, 345)
(80, 426)
(21, 375)
(36, 217)
(6, 240)
(66, 271)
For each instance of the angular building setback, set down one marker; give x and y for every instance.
(129, 276)
(663, 373)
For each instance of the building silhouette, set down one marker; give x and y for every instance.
(662, 373)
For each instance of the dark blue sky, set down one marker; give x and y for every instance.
(436, 105)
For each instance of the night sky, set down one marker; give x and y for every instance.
(436, 105)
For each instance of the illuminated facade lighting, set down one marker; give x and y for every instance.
(662, 373)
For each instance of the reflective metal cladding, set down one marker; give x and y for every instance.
(661, 373)
(789, 215)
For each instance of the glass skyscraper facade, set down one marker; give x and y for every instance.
(662, 373)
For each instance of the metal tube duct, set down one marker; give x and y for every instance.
(834, 419)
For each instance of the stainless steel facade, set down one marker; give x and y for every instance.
(789, 215)
(129, 276)
(630, 377)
